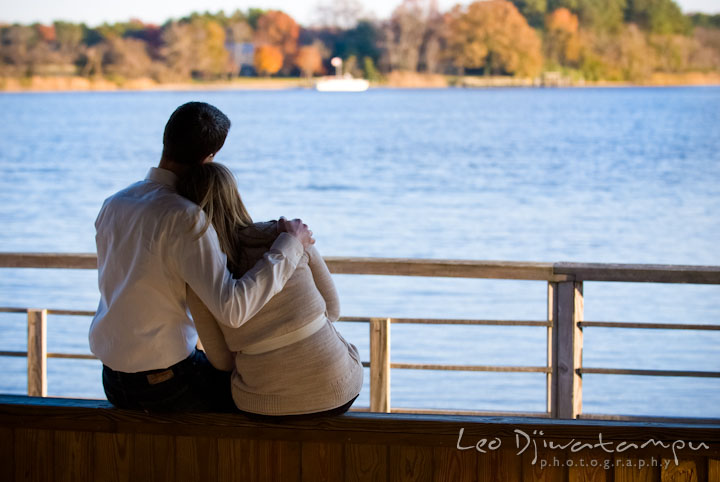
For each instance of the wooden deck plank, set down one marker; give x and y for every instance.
(366, 463)
(7, 454)
(237, 460)
(196, 458)
(451, 464)
(589, 466)
(112, 456)
(548, 466)
(153, 458)
(75, 450)
(502, 465)
(627, 469)
(278, 461)
(713, 470)
(34, 455)
(322, 462)
(411, 464)
(684, 471)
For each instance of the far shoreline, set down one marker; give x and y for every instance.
(395, 80)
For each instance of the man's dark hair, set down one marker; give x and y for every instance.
(194, 131)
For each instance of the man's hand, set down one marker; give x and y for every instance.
(297, 229)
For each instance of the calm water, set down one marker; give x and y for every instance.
(596, 175)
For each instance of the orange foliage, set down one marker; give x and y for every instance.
(267, 59)
(279, 29)
(495, 36)
(309, 60)
(562, 42)
(562, 19)
(46, 32)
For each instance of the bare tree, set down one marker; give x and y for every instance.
(343, 14)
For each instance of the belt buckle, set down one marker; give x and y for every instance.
(163, 376)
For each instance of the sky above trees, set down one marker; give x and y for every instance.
(94, 12)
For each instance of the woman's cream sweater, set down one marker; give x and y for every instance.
(318, 373)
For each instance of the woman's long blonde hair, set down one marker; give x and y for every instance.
(212, 186)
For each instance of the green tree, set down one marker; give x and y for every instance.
(658, 16)
(533, 10)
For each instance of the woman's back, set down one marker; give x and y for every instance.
(317, 373)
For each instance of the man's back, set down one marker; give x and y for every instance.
(142, 323)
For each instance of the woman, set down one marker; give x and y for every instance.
(287, 360)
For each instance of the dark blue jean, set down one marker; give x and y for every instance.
(192, 385)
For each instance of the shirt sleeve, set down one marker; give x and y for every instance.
(232, 302)
(211, 336)
(324, 282)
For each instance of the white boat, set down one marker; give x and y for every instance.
(341, 84)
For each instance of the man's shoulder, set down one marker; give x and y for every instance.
(146, 199)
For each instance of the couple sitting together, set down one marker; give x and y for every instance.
(178, 256)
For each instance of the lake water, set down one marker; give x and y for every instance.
(626, 175)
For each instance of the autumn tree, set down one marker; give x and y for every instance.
(268, 60)
(309, 60)
(195, 48)
(495, 37)
(601, 15)
(279, 30)
(562, 43)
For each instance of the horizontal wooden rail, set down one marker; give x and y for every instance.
(519, 270)
(469, 368)
(649, 373)
(656, 326)
(639, 273)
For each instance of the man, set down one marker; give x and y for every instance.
(148, 251)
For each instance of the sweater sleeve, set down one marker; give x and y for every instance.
(324, 282)
(211, 337)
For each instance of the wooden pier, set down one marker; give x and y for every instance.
(63, 439)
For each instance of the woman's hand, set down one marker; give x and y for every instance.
(297, 229)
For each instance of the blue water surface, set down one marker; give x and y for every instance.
(627, 175)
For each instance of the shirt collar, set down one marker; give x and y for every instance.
(162, 176)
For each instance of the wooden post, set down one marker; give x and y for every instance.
(380, 365)
(567, 350)
(37, 353)
(552, 375)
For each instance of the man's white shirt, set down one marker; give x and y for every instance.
(148, 249)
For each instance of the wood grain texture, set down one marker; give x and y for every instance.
(37, 353)
(34, 455)
(366, 463)
(451, 464)
(7, 454)
(237, 460)
(74, 456)
(380, 365)
(411, 464)
(589, 466)
(322, 462)
(713, 470)
(278, 461)
(627, 469)
(196, 458)
(547, 466)
(153, 458)
(502, 465)
(639, 273)
(112, 456)
(684, 471)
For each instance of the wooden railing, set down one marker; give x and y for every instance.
(564, 322)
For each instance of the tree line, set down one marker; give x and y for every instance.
(590, 39)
